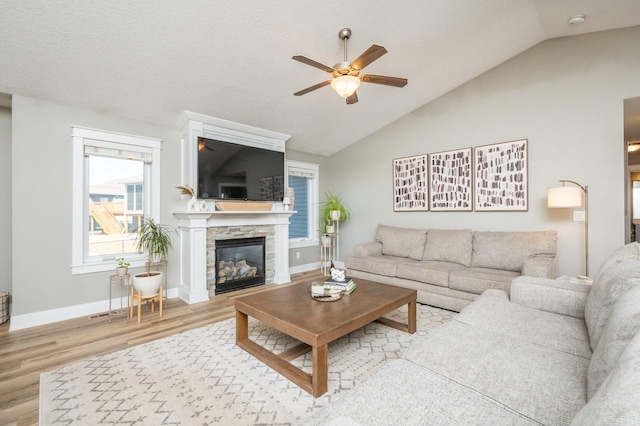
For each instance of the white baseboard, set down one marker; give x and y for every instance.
(311, 267)
(35, 319)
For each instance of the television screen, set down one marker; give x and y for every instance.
(238, 172)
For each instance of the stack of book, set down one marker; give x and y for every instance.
(347, 284)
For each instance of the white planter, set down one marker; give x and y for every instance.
(335, 215)
(121, 271)
(330, 229)
(326, 240)
(149, 286)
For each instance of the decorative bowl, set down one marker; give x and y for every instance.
(328, 295)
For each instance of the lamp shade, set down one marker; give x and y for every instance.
(345, 85)
(564, 197)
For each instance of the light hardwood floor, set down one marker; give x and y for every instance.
(24, 354)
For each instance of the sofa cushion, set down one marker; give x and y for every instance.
(542, 384)
(381, 265)
(401, 242)
(449, 245)
(616, 402)
(402, 393)
(477, 280)
(622, 326)
(493, 311)
(508, 250)
(558, 296)
(431, 272)
(616, 276)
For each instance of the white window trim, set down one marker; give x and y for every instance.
(314, 196)
(82, 136)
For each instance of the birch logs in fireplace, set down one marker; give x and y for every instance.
(228, 270)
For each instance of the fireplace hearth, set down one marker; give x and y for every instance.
(239, 263)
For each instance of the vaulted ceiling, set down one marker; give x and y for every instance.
(152, 59)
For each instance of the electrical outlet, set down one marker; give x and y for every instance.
(578, 216)
(297, 255)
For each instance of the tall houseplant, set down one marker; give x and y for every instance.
(155, 239)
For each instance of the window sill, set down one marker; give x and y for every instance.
(94, 267)
(303, 243)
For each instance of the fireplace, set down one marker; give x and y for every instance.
(239, 263)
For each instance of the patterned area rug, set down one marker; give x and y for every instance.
(200, 377)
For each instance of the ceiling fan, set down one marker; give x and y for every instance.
(346, 76)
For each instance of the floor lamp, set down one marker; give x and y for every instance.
(571, 196)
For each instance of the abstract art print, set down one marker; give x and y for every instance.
(501, 177)
(410, 188)
(450, 180)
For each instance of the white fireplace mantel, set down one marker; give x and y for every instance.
(193, 226)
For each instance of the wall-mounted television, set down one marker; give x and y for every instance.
(238, 172)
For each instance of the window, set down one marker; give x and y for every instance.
(115, 185)
(303, 178)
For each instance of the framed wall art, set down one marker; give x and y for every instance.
(501, 177)
(410, 188)
(450, 181)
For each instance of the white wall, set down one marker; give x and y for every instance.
(5, 199)
(41, 187)
(309, 256)
(564, 95)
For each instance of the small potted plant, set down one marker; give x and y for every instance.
(155, 239)
(122, 267)
(334, 209)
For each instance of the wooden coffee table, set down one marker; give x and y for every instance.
(291, 310)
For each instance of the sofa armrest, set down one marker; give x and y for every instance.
(557, 296)
(368, 249)
(540, 266)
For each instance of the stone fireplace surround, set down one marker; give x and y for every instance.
(218, 234)
(196, 228)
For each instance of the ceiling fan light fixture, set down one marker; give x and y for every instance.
(345, 85)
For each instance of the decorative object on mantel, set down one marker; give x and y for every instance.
(291, 194)
(568, 197)
(263, 206)
(194, 205)
(286, 204)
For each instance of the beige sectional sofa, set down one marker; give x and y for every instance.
(450, 268)
(554, 352)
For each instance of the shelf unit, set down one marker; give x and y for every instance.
(329, 248)
(122, 282)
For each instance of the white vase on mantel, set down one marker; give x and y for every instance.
(291, 194)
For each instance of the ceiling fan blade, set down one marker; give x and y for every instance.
(352, 99)
(383, 79)
(311, 62)
(312, 88)
(370, 55)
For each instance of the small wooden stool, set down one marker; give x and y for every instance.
(139, 298)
